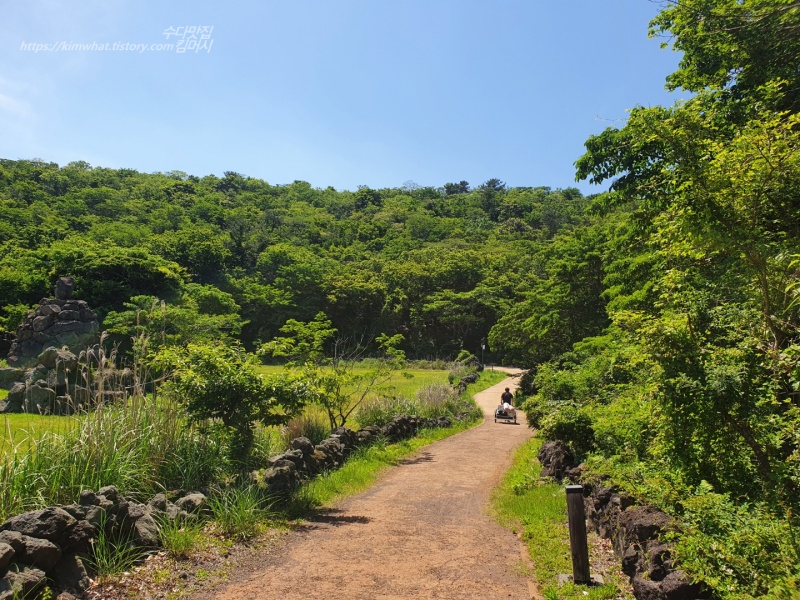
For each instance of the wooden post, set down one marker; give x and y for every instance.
(577, 535)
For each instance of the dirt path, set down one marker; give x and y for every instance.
(421, 532)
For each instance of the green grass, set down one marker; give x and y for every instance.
(487, 379)
(16, 429)
(399, 383)
(540, 510)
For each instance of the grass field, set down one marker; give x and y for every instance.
(399, 384)
(16, 429)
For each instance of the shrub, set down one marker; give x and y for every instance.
(738, 551)
(222, 383)
(381, 410)
(571, 425)
(535, 409)
(436, 400)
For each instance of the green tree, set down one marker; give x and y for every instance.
(341, 381)
(222, 386)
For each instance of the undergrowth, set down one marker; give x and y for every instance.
(539, 509)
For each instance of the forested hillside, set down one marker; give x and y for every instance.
(236, 257)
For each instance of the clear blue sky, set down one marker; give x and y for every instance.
(333, 92)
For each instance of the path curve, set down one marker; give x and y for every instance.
(422, 531)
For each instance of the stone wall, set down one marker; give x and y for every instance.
(635, 531)
(49, 547)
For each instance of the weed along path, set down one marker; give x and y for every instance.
(423, 531)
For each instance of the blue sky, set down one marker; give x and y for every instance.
(333, 92)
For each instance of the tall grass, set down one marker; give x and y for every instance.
(138, 442)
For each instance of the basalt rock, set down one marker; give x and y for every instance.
(555, 458)
(635, 532)
(44, 354)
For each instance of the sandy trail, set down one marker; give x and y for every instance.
(421, 532)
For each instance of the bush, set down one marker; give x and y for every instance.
(536, 408)
(379, 411)
(312, 424)
(438, 400)
(571, 425)
(461, 373)
(740, 551)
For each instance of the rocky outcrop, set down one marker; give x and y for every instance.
(43, 376)
(56, 385)
(60, 322)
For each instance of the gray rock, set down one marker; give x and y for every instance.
(555, 458)
(49, 309)
(109, 492)
(53, 358)
(88, 498)
(677, 586)
(49, 524)
(6, 555)
(13, 539)
(39, 553)
(296, 457)
(76, 510)
(70, 575)
(9, 375)
(145, 532)
(64, 288)
(192, 503)
(641, 523)
(79, 539)
(43, 338)
(25, 582)
(304, 445)
(56, 378)
(42, 322)
(159, 502)
(39, 399)
(16, 398)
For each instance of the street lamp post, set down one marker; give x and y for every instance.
(483, 347)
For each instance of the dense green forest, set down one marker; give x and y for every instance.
(660, 320)
(236, 257)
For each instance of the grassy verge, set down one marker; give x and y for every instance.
(362, 470)
(487, 379)
(539, 510)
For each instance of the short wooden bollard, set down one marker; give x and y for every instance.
(577, 535)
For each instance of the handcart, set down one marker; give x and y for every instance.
(505, 415)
